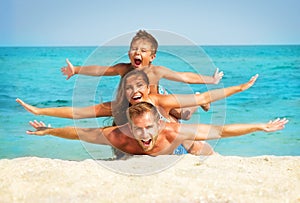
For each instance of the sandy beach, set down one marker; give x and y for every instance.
(187, 179)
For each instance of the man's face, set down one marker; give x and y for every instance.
(136, 89)
(145, 130)
(140, 54)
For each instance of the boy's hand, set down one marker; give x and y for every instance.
(39, 126)
(68, 70)
(217, 76)
(275, 125)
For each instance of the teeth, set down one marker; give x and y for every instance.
(136, 97)
(147, 142)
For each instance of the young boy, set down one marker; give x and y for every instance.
(142, 52)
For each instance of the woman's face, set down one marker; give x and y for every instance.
(136, 89)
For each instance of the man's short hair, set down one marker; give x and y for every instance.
(141, 108)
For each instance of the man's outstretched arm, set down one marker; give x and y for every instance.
(92, 135)
(242, 129)
(208, 132)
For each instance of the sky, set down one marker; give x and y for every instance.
(95, 22)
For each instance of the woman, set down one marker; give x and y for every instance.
(135, 88)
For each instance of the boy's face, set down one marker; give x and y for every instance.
(140, 54)
(136, 89)
(145, 130)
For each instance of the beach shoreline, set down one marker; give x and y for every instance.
(189, 179)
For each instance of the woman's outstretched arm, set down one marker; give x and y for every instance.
(99, 110)
(180, 101)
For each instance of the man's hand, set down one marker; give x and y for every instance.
(275, 125)
(68, 70)
(40, 128)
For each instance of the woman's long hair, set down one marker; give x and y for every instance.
(121, 104)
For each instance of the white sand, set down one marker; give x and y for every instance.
(189, 179)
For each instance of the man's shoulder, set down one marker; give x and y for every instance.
(118, 133)
(171, 127)
(170, 131)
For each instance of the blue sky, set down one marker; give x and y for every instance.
(94, 22)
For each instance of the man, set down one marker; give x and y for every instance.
(147, 134)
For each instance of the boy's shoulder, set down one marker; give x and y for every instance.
(158, 69)
(123, 68)
(161, 71)
(123, 65)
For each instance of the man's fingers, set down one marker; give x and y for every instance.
(284, 121)
(32, 124)
(37, 124)
(30, 132)
(42, 124)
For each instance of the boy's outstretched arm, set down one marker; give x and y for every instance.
(191, 78)
(92, 70)
(99, 110)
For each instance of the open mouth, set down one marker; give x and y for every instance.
(146, 142)
(137, 62)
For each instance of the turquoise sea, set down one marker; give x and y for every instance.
(33, 74)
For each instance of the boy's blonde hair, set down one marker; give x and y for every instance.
(142, 34)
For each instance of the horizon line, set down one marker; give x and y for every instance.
(262, 44)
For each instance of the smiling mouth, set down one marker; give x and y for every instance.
(136, 97)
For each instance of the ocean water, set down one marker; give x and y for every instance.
(33, 74)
